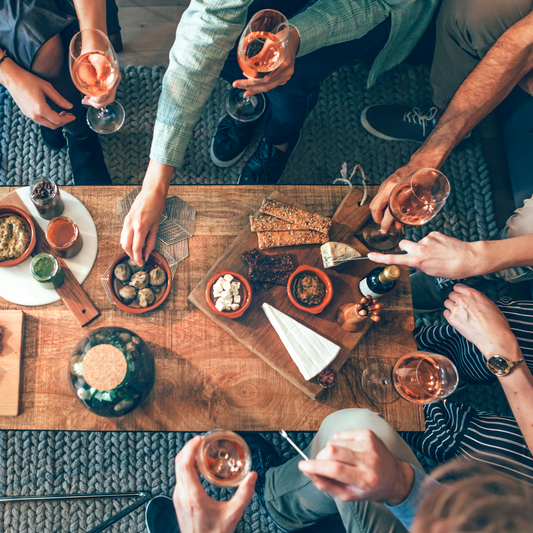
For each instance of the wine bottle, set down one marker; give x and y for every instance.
(379, 281)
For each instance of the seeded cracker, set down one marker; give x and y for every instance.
(268, 223)
(305, 219)
(277, 239)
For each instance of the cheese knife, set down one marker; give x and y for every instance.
(403, 252)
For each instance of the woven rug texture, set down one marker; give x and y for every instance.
(72, 462)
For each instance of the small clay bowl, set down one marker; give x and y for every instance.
(246, 292)
(8, 210)
(315, 309)
(157, 259)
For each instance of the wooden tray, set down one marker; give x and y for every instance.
(255, 331)
(12, 323)
(71, 292)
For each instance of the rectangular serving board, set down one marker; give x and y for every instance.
(12, 323)
(254, 330)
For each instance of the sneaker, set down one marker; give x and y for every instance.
(231, 140)
(429, 293)
(264, 457)
(54, 139)
(160, 516)
(87, 160)
(267, 164)
(399, 122)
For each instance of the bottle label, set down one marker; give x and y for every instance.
(366, 291)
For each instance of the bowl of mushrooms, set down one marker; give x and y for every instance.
(136, 289)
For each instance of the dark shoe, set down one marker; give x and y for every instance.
(267, 164)
(399, 122)
(160, 516)
(264, 457)
(87, 160)
(429, 293)
(54, 139)
(231, 140)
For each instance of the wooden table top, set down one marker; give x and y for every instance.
(205, 378)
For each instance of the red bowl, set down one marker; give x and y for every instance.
(8, 210)
(159, 260)
(323, 277)
(246, 289)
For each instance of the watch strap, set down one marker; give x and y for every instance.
(5, 55)
(512, 364)
(503, 371)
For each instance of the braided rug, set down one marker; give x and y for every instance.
(44, 462)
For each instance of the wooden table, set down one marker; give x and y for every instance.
(205, 378)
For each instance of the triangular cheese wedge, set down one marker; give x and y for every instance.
(335, 252)
(311, 352)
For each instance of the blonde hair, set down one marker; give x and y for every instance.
(474, 498)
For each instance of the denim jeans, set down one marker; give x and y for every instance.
(290, 104)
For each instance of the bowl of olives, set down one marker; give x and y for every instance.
(136, 289)
(111, 371)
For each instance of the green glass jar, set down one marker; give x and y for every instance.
(46, 270)
(111, 371)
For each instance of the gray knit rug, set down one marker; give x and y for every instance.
(73, 462)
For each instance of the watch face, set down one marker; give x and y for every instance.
(498, 365)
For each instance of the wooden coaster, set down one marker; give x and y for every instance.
(104, 367)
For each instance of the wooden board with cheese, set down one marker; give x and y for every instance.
(255, 331)
(12, 331)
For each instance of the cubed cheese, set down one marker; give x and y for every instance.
(228, 277)
(219, 305)
(234, 307)
(226, 285)
(237, 299)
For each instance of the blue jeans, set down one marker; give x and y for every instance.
(290, 104)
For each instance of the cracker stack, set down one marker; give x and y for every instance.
(284, 225)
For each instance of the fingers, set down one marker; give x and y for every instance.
(402, 260)
(244, 494)
(139, 241)
(386, 222)
(56, 97)
(102, 101)
(186, 470)
(336, 489)
(150, 241)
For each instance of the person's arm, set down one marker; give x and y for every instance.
(91, 14)
(447, 257)
(480, 321)
(205, 35)
(195, 510)
(505, 64)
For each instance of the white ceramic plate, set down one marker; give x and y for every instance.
(17, 284)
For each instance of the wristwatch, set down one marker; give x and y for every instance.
(500, 366)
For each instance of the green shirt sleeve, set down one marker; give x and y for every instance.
(205, 35)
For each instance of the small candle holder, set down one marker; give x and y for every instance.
(352, 316)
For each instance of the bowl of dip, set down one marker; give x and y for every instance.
(17, 236)
(310, 289)
(64, 237)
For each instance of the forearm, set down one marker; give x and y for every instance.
(518, 388)
(8, 70)
(492, 256)
(91, 14)
(157, 179)
(506, 63)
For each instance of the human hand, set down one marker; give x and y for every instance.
(196, 511)
(356, 466)
(30, 92)
(480, 321)
(99, 69)
(436, 255)
(142, 223)
(280, 76)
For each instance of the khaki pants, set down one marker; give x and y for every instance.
(294, 501)
(466, 30)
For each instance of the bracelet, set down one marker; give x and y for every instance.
(5, 56)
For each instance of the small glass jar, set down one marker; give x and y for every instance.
(46, 198)
(64, 237)
(46, 270)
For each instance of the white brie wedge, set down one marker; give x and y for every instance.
(311, 352)
(336, 253)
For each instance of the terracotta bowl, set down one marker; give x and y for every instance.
(247, 296)
(157, 259)
(8, 210)
(323, 277)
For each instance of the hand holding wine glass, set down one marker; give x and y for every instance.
(94, 70)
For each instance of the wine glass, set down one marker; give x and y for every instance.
(419, 377)
(94, 69)
(224, 458)
(260, 52)
(414, 201)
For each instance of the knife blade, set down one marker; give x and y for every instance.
(403, 252)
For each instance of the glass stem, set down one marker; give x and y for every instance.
(104, 112)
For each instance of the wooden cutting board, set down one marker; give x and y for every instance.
(71, 292)
(254, 330)
(12, 323)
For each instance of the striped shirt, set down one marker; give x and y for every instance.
(209, 29)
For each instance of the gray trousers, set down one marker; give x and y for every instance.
(294, 501)
(466, 30)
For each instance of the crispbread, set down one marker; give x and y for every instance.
(304, 219)
(277, 239)
(269, 223)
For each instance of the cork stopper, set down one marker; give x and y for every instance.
(104, 367)
(389, 274)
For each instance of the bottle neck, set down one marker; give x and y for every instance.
(389, 274)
